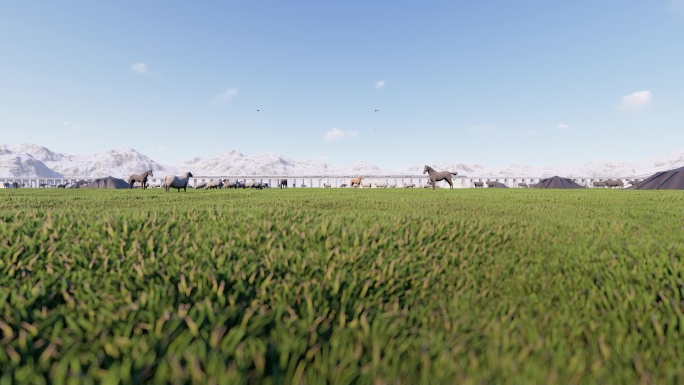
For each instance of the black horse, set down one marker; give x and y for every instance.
(282, 183)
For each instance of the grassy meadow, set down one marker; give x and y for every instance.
(341, 286)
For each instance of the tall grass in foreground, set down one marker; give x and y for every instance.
(341, 286)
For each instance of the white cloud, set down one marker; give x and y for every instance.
(636, 100)
(563, 126)
(527, 132)
(482, 129)
(337, 134)
(72, 126)
(225, 96)
(140, 68)
(379, 84)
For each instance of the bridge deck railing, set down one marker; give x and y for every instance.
(334, 180)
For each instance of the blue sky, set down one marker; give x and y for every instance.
(490, 82)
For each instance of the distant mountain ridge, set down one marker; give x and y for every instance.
(35, 161)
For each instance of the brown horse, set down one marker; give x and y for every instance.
(436, 176)
(356, 182)
(142, 178)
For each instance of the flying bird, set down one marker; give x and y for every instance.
(377, 110)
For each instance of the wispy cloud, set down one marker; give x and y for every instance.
(563, 126)
(72, 126)
(482, 129)
(225, 96)
(141, 68)
(527, 132)
(379, 84)
(636, 101)
(337, 134)
(676, 7)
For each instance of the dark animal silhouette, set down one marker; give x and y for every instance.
(600, 184)
(177, 182)
(282, 183)
(436, 176)
(15, 184)
(615, 183)
(62, 185)
(142, 178)
(478, 184)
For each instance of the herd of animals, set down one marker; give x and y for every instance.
(179, 182)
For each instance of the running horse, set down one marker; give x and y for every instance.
(356, 182)
(142, 178)
(436, 176)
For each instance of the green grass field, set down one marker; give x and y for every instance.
(342, 286)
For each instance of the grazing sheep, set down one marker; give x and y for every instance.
(600, 184)
(492, 183)
(343, 185)
(381, 185)
(366, 185)
(282, 183)
(177, 182)
(214, 184)
(633, 182)
(230, 184)
(523, 185)
(392, 185)
(409, 185)
(327, 185)
(478, 184)
(201, 185)
(615, 183)
(250, 184)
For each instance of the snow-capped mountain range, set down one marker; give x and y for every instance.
(34, 161)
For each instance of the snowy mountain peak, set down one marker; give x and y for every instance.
(31, 160)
